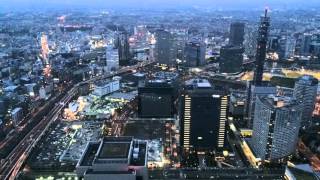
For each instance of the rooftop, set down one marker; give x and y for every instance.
(114, 150)
(282, 102)
(90, 153)
(198, 83)
(307, 80)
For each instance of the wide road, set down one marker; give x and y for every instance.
(11, 166)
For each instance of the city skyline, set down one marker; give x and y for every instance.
(153, 90)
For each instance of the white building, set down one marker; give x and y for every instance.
(16, 115)
(112, 57)
(102, 89)
(305, 91)
(276, 127)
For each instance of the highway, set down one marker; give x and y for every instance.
(11, 166)
(18, 156)
(23, 124)
(118, 123)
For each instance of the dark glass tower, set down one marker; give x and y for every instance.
(231, 58)
(123, 48)
(261, 48)
(236, 34)
(195, 53)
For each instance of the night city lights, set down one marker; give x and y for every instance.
(159, 89)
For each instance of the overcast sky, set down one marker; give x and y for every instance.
(160, 3)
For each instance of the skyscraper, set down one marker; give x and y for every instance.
(231, 59)
(290, 47)
(164, 47)
(305, 91)
(258, 87)
(194, 54)
(236, 34)
(156, 99)
(203, 117)
(112, 59)
(305, 45)
(255, 91)
(276, 127)
(250, 40)
(261, 48)
(123, 48)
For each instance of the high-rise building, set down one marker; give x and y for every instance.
(123, 48)
(258, 87)
(194, 54)
(290, 47)
(231, 59)
(261, 48)
(112, 59)
(156, 99)
(276, 127)
(305, 91)
(305, 44)
(237, 103)
(236, 34)
(250, 40)
(164, 47)
(255, 91)
(273, 43)
(203, 117)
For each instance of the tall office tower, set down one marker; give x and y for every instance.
(273, 43)
(261, 48)
(276, 127)
(258, 87)
(287, 47)
(305, 91)
(290, 47)
(305, 44)
(236, 34)
(194, 54)
(231, 59)
(123, 48)
(156, 99)
(315, 46)
(112, 58)
(164, 47)
(203, 117)
(254, 92)
(250, 40)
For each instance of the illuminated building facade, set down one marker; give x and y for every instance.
(203, 117)
(276, 127)
(45, 55)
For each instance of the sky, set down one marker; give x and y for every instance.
(227, 4)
